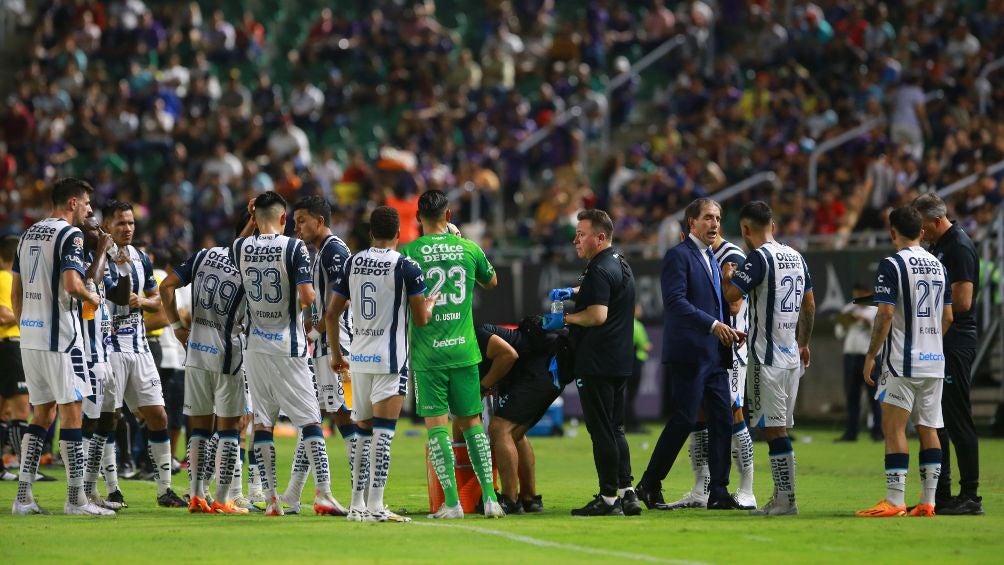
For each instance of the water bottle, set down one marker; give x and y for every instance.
(557, 306)
(89, 308)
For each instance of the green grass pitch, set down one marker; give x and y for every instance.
(834, 480)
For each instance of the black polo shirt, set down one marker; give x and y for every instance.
(958, 254)
(484, 333)
(606, 350)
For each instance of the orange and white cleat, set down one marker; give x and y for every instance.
(199, 505)
(229, 508)
(883, 509)
(326, 505)
(274, 507)
(923, 511)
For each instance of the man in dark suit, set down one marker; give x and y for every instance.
(697, 351)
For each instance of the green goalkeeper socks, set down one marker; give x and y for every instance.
(442, 461)
(480, 452)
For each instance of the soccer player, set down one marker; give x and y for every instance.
(13, 388)
(776, 279)
(96, 325)
(742, 444)
(311, 217)
(444, 353)
(528, 368)
(914, 300)
(47, 291)
(214, 377)
(276, 277)
(383, 286)
(136, 381)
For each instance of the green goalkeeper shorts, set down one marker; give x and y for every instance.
(442, 391)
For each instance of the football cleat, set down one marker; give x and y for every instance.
(326, 505)
(630, 503)
(493, 509)
(385, 515)
(117, 498)
(358, 515)
(274, 507)
(229, 508)
(243, 502)
(599, 507)
(27, 509)
(97, 500)
(256, 496)
(199, 505)
(745, 499)
(690, 500)
(170, 499)
(448, 513)
(6, 475)
(923, 511)
(882, 509)
(776, 508)
(86, 510)
(289, 506)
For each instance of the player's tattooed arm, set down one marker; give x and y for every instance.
(806, 319)
(883, 323)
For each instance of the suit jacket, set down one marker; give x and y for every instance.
(690, 308)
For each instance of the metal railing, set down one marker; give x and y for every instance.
(636, 69)
(983, 86)
(847, 136)
(833, 143)
(579, 111)
(740, 187)
(966, 182)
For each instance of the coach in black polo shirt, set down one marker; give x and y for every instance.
(952, 246)
(601, 330)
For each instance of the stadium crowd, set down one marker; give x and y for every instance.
(190, 112)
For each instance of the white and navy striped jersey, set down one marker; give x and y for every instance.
(98, 332)
(328, 263)
(728, 252)
(379, 282)
(129, 331)
(915, 282)
(271, 267)
(219, 307)
(49, 315)
(774, 278)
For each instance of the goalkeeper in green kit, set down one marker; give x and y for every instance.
(444, 353)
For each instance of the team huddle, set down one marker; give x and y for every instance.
(273, 332)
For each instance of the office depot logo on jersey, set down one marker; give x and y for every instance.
(437, 343)
(442, 252)
(204, 347)
(270, 336)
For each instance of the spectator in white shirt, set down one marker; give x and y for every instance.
(222, 163)
(306, 102)
(289, 142)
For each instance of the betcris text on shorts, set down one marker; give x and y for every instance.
(363, 358)
(452, 342)
(927, 356)
(204, 348)
(270, 336)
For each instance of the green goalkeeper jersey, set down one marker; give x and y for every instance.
(451, 266)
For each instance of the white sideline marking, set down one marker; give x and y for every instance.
(556, 545)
